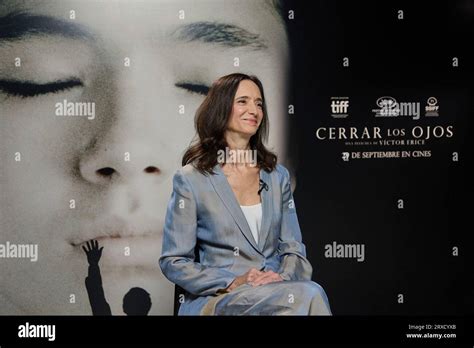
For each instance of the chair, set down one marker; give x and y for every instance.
(178, 291)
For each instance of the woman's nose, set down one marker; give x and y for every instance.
(252, 109)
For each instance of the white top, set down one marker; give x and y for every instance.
(253, 214)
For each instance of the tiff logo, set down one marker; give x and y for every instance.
(339, 107)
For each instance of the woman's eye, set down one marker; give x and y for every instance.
(194, 87)
(26, 89)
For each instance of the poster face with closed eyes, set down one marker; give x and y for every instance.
(97, 102)
(368, 109)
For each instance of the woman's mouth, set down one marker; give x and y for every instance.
(250, 121)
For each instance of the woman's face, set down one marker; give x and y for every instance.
(247, 109)
(97, 103)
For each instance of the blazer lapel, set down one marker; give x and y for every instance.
(223, 189)
(267, 207)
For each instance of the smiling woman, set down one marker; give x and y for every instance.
(145, 66)
(233, 248)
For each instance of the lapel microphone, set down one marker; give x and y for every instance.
(263, 185)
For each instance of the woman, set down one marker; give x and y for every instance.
(231, 236)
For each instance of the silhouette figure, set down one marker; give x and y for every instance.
(136, 301)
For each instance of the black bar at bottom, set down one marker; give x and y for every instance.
(169, 329)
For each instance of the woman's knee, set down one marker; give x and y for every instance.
(313, 288)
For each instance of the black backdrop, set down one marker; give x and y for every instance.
(408, 251)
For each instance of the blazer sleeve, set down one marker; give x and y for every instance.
(293, 262)
(177, 259)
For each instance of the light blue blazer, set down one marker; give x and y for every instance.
(204, 212)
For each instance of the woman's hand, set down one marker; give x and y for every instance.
(255, 277)
(245, 278)
(265, 278)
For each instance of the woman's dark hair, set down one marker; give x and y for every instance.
(211, 120)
